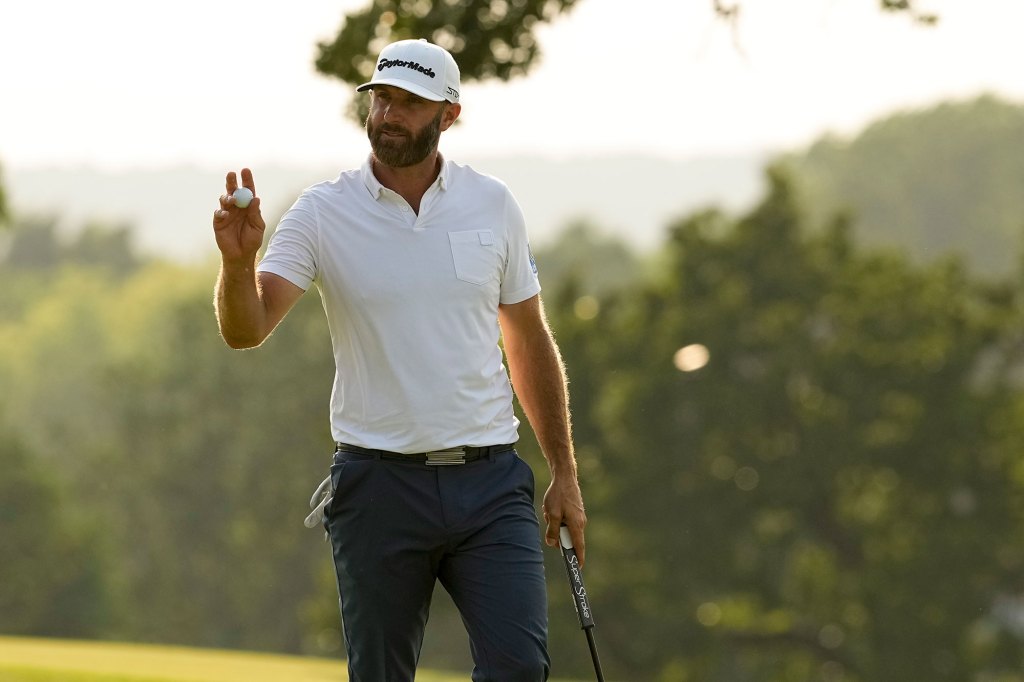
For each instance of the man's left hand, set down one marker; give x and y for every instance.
(563, 505)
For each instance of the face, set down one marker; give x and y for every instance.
(404, 128)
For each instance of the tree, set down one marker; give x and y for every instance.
(99, 245)
(489, 38)
(215, 453)
(597, 264)
(194, 460)
(55, 582)
(934, 182)
(34, 244)
(833, 495)
(4, 211)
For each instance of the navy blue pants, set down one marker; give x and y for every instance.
(397, 527)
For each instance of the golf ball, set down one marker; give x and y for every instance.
(242, 195)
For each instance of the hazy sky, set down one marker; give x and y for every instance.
(119, 83)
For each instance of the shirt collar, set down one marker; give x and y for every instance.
(442, 177)
(374, 187)
(369, 179)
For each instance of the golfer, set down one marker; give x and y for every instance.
(423, 266)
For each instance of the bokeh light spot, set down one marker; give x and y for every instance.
(691, 358)
(709, 614)
(586, 307)
(747, 478)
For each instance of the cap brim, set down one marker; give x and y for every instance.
(404, 85)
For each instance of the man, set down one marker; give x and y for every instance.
(422, 265)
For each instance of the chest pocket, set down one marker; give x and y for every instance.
(474, 256)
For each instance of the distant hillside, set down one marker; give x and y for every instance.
(170, 209)
(947, 179)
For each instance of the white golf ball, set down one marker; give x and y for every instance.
(242, 195)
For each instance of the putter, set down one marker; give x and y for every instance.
(579, 596)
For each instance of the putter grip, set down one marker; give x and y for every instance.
(575, 574)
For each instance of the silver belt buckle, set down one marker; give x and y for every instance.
(449, 457)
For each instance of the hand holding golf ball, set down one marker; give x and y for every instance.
(238, 225)
(243, 196)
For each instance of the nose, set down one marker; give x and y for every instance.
(393, 113)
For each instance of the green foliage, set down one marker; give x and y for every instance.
(4, 211)
(103, 246)
(945, 180)
(159, 440)
(488, 38)
(34, 244)
(910, 7)
(827, 498)
(54, 580)
(835, 495)
(593, 263)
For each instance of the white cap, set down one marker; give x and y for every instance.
(420, 67)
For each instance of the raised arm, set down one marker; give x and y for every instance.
(248, 306)
(539, 380)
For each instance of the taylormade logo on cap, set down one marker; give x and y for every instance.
(419, 67)
(389, 63)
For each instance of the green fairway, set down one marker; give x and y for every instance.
(24, 659)
(54, 660)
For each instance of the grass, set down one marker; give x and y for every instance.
(24, 659)
(53, 660)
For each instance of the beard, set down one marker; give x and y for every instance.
(402, 153)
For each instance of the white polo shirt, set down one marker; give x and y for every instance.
(412, 304)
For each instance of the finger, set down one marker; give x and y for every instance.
(578, 543)
(247, 180)
(230, 183)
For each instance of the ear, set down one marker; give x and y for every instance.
(451, 112)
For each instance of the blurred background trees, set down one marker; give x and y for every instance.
(798, 428)
(3, 203)
(810, 503)
(906, 180)
(800, 451)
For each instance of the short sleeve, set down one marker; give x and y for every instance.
(292, 251)
(520, 280)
